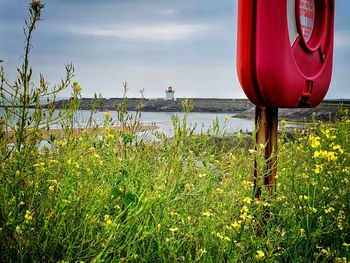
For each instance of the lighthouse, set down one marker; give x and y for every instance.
(169, 93)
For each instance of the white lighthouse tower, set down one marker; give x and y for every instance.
(169, 93)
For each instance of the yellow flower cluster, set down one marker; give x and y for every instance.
(39, 167)
(221, 236)
(76, 88)
(28, 216)
(108, 222)
(314, 141)
(330, 156)
(260, 255)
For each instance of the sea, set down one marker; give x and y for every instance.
(201, 122)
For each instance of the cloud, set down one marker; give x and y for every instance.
(342, 39)
(150, 32)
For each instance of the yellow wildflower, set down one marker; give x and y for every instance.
(303, 197)
(227, 118)
(340, 260)
(247, 200)
(107, 115)
(109, 136)
(314, 142)
(76, 88)
(332, 156)
(207, 214)
(236, 224)
(28, 216)
(244, 209)
(329, 210)
(338, 148)
(219, 191)
(318, 169)
(324, 251)
(259, 255)
(173, 229)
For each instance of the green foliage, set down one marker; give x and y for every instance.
(107, 195)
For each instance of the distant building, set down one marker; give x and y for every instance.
(170, 93)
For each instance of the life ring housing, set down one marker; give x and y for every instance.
(285, 51)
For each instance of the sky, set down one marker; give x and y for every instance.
(151, 44)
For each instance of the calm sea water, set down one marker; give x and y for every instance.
(201, 121)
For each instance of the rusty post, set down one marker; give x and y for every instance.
(265, 167)
(265, 162)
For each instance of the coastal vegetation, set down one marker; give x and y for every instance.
(109, 194)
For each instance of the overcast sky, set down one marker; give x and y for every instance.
(151, 44)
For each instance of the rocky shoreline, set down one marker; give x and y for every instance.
(242, 108)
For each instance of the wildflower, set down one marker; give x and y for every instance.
(52, 162)
(226, 238)
(329, 210)
(314, 142)
(236, 224)
(107, 115)
(324, 251)
(207, 214)
(18, 230)
(51, 188)
(283, 123)
(220, 191)
(340, 260)
(320, 154)
(318, 169)
(332, 156)
(76, 88)
(202, 251)
(302, 231)
(108, 221)
(338, 148)
(247, 200)
(109, 136)
(227, 118)
(201, 175)
(158, 227)
(173, 229)
(18, 173)
(244, 209)
(28, 216)
(303, 197)
(39, 167)
(259, 255)
(232, 156)
(252, 151)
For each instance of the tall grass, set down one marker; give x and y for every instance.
(114, 197)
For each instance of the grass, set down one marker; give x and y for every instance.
(114, 196)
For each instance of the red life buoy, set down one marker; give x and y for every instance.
(285, 51)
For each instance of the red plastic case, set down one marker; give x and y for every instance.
(276, 70)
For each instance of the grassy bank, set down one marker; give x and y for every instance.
(117, 198)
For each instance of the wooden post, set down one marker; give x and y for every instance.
(265, 163)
